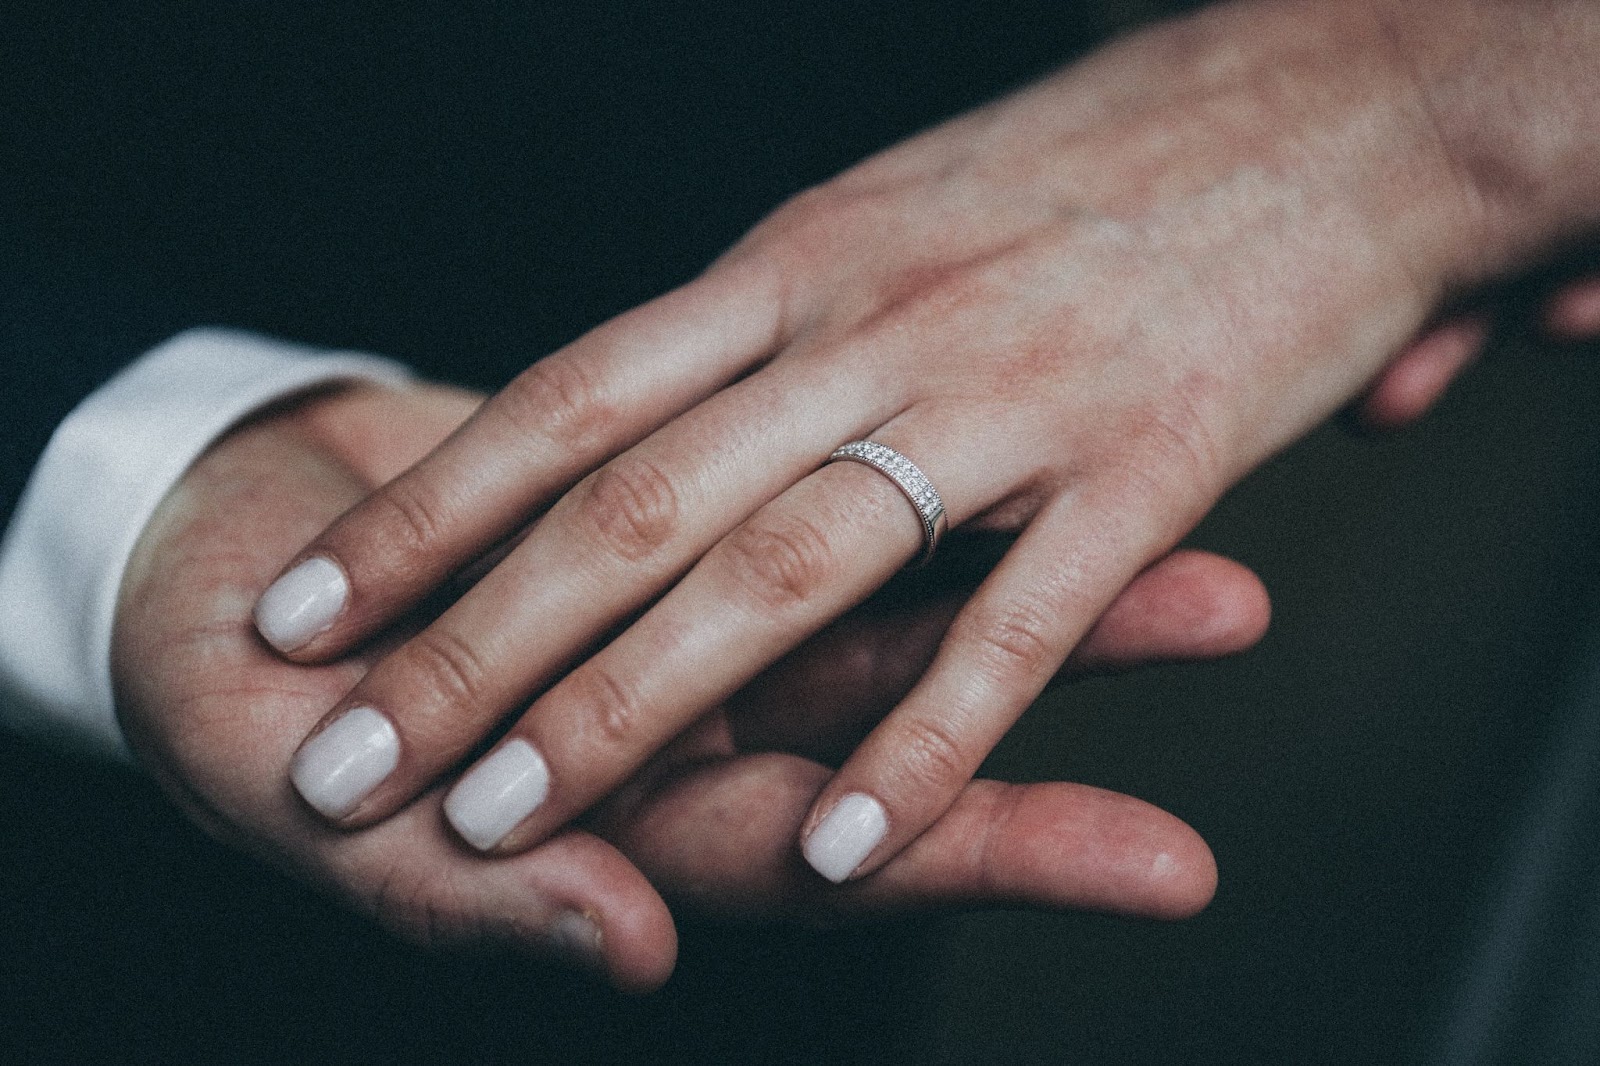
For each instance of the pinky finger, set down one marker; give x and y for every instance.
(1001, 651)
(1574, 312)
(822, 698)
(1416, 378)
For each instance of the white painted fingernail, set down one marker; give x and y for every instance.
(577, 937)
(499, 792)
(340, 766)
(301, 603)
(846, 836)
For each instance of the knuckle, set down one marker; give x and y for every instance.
(559, 399)
(448, 675)
(413, 517)
(614, 708)
(1004, 811)
(810, 208)
(932, 756)
(632, 506)
(1171, 445)
(817, 216)
(782, 563)
(424, 910)
(1011, 644)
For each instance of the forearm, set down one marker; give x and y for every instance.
(1512, 89)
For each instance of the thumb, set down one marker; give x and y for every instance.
(722, 836)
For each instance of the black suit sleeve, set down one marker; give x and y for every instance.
(63, 332)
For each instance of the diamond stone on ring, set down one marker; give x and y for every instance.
(908, 479)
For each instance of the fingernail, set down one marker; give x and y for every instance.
(301, 603)
(846, 836)
(578, 937)
(340, 766)
(499, 792)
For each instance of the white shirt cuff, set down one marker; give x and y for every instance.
(106, 468)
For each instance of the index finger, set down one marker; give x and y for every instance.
(721, 835)
(552, 424)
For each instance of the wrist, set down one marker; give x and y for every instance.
(1510, 95)
(1458, 134)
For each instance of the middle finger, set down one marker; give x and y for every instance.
(613, 544)
(798, 563)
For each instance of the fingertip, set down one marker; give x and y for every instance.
(838, 844)
(1238, 612)
(639, 950)
(302, 604)
(607, 918)
(1182, 876)
(1384, 411)
(497, 795)
(1414, 380)
(1083, 847)
(574, 900)
(340, 764)
(1190, 605)
(1574, 312)
(1389, 407)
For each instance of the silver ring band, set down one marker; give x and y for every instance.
(909, 480)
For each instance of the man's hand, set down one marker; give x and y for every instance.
(215, 714)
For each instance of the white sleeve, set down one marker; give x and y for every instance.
(107, 466)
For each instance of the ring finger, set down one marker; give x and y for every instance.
(799, 562)
(621, 537)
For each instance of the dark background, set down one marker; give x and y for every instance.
(468, 186)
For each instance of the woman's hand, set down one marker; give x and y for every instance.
(1083, 311)
(214, 715)
(1415, 380)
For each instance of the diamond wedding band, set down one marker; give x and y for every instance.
(908, 479)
